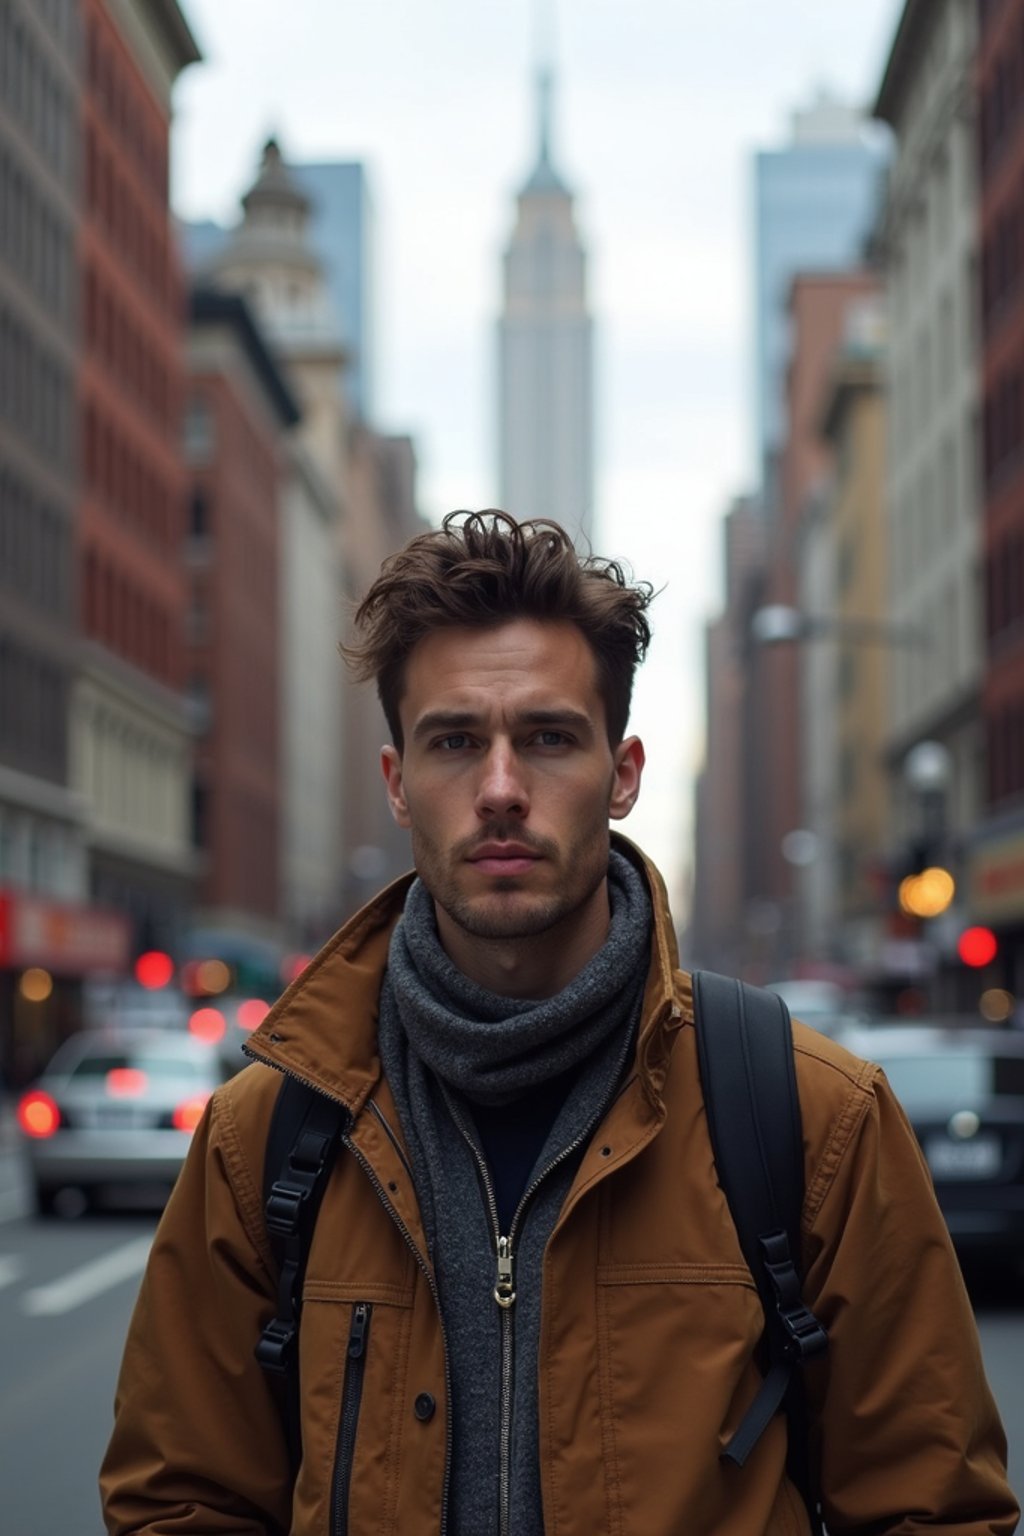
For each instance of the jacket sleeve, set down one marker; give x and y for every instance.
(910, 1438)
(197, 1443)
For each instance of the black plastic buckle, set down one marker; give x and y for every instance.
(284, 1209)
(807, 1338)
(276, 1346)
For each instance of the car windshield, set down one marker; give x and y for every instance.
(947, 1079)
(155, 1064)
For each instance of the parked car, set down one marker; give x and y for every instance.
(962, 1086)
(113, 1113)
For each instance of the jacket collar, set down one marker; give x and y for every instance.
(323, 1029)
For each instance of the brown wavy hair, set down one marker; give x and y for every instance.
(480, 569)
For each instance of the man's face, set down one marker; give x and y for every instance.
(507, 779)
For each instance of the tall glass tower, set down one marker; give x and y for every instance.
(815, 204)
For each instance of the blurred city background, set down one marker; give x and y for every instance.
(734, 293)
(229, 390)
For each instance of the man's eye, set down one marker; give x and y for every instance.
(453, 743)
(551, 738)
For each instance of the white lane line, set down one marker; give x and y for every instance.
(90, 1280)
(11, 1266)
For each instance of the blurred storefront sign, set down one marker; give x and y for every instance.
(996, 878)
(68, 939)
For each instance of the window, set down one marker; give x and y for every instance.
(198, 432)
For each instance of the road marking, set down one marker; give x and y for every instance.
(11, 1266)
(90, 1280)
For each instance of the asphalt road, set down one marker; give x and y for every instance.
(66, 1293)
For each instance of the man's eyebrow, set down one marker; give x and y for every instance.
(444, 720)
(571, 717)
(465, 719)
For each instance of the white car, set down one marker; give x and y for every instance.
(114, 1112)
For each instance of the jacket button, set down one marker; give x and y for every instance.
(424, 1407)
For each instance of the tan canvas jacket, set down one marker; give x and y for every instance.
(649, 1325)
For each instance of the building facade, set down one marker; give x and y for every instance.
(997, 852)
(269, 259)
(815, 203)
(776, 729)
(545, 353)
(238, 408)
(928, 240)
(853, 424)
(131, 733)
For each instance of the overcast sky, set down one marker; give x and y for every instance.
(659, 107)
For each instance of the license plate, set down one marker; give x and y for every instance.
(114, 1116)
(978, 1158)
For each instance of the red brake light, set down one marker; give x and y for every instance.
(125, 1082)
(252, 1012)
(38, 1114)
(208, 1024)
(189, 1113)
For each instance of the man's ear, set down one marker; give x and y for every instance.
(629, 766)
(391, 768)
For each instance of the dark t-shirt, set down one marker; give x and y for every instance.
(512, 1137)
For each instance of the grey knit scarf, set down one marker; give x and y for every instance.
(445, 1040)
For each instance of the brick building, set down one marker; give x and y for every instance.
(238, 405)
(132, 738)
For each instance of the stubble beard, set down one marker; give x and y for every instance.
(505, 911)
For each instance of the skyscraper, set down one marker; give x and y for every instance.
(545, 339)
(341, 234)
(815, 203)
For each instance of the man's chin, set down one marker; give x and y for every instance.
(506, 915)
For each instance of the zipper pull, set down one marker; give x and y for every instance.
(504, 1291)
(357, 1337)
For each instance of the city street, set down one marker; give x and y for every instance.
(66, 1292)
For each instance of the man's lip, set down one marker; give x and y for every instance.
(503, 851)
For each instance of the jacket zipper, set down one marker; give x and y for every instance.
(505, 1295)
(425, 1267)
(348, 1422)
(410, 1242)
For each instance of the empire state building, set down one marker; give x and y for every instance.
(545, 338)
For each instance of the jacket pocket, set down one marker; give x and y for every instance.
(676, 1369)
(348, 1420)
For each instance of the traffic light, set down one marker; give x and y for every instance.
(154, 969)
(977, 947)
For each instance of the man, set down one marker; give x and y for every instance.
(525, 1308)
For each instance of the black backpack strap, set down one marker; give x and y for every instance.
(745, 1051)
(299, 1154)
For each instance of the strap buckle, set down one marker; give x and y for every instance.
(276, 1346)
(284, 1208)
(805, 1337)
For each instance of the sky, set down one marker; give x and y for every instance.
(660, 106)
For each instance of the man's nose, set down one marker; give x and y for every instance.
(502, 789)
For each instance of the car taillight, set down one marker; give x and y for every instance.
(38, 1114)
(189, 1112)
(208, 1024)
(252, 1012)
(125, 1083)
